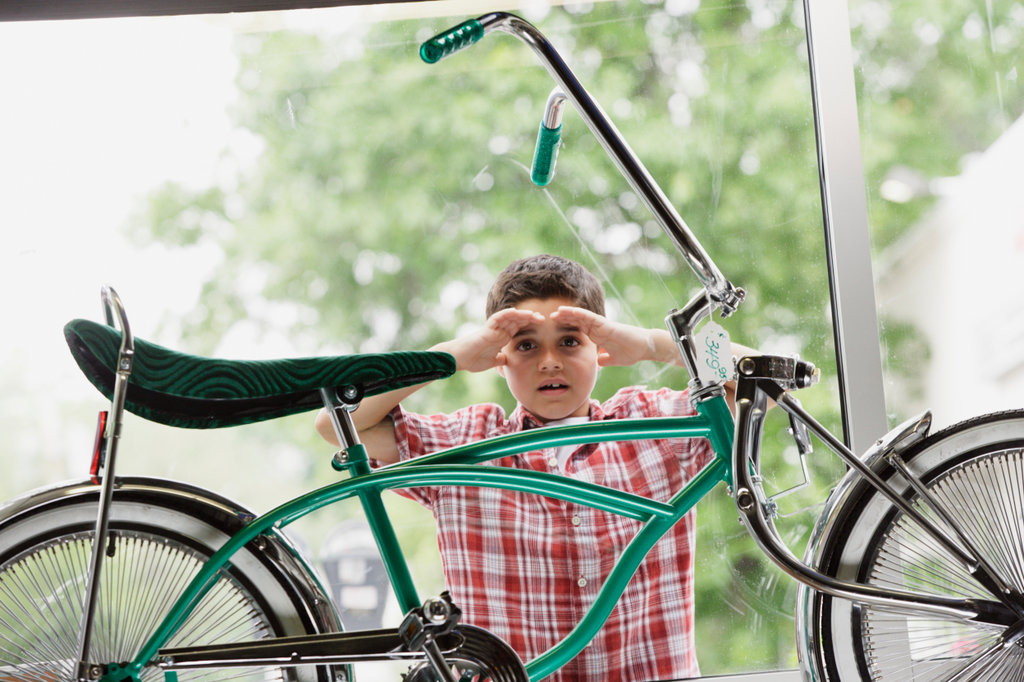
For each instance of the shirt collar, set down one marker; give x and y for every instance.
(522, 420)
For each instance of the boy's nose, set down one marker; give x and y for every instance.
(550, 362)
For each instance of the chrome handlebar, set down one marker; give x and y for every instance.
(722, 293)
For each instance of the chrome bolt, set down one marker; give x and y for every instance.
(746, 366)
(744, 500)
(436, 610)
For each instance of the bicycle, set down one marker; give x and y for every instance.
(915, 568)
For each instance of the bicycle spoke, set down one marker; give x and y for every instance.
(42, 602)
(995, 663)
(919, 648)
(40, 608)
(984, 503)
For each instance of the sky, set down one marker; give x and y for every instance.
(97, 114)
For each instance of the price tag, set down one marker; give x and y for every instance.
(714, 354)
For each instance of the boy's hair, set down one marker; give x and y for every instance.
(545, 276)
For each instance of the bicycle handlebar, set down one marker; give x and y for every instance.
(721, 291)
(549, 136)
(451, 41)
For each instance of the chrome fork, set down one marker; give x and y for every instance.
(755, 387)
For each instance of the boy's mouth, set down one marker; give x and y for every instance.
(553, 386)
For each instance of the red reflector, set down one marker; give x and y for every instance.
(99, 447)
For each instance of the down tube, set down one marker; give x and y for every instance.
(718, 418)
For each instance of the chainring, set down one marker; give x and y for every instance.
(477, 656)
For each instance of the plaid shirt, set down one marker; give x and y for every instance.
(527, 567)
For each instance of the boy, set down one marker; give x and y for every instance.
(526, 567)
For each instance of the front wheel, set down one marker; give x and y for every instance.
(975, 470)
(161, 534)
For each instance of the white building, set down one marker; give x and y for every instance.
(958, 276)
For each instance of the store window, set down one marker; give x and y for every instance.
(296, 183)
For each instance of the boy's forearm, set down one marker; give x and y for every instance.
(371, 412)
(662, 348)
(375, 409)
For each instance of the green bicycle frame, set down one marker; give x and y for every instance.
(459, 466)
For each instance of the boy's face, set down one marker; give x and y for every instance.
(551, 368)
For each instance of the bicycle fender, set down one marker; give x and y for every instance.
(275, 549)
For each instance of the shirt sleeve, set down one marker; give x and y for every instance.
(409, 441)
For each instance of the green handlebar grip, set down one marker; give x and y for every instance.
(452, 40)
(545, 154)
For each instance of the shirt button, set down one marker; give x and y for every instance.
(582, 582)
(552, 462)
(576, 520)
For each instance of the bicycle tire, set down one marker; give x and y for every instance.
(976, 471)
(161, 533)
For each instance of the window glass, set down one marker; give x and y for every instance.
(300, 183)
(940, 104)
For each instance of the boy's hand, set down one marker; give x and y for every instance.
(481, 349)
(619, 344)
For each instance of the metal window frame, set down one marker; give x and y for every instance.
(844, 208)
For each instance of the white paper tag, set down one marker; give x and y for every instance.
(714, 354)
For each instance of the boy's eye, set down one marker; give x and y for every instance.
(570, 341)
(523, 346)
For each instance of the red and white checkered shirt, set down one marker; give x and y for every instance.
(527, 567)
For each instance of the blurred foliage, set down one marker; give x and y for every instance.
(387, 194)
(953, 63)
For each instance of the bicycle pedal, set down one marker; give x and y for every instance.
(436, 617)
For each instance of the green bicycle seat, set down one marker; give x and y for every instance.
(195, 392)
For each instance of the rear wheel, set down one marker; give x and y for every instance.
(159, 540)
(975, 470)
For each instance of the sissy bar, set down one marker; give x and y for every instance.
(115, 315)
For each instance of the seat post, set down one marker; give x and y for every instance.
(340, 412)
(352, 457)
